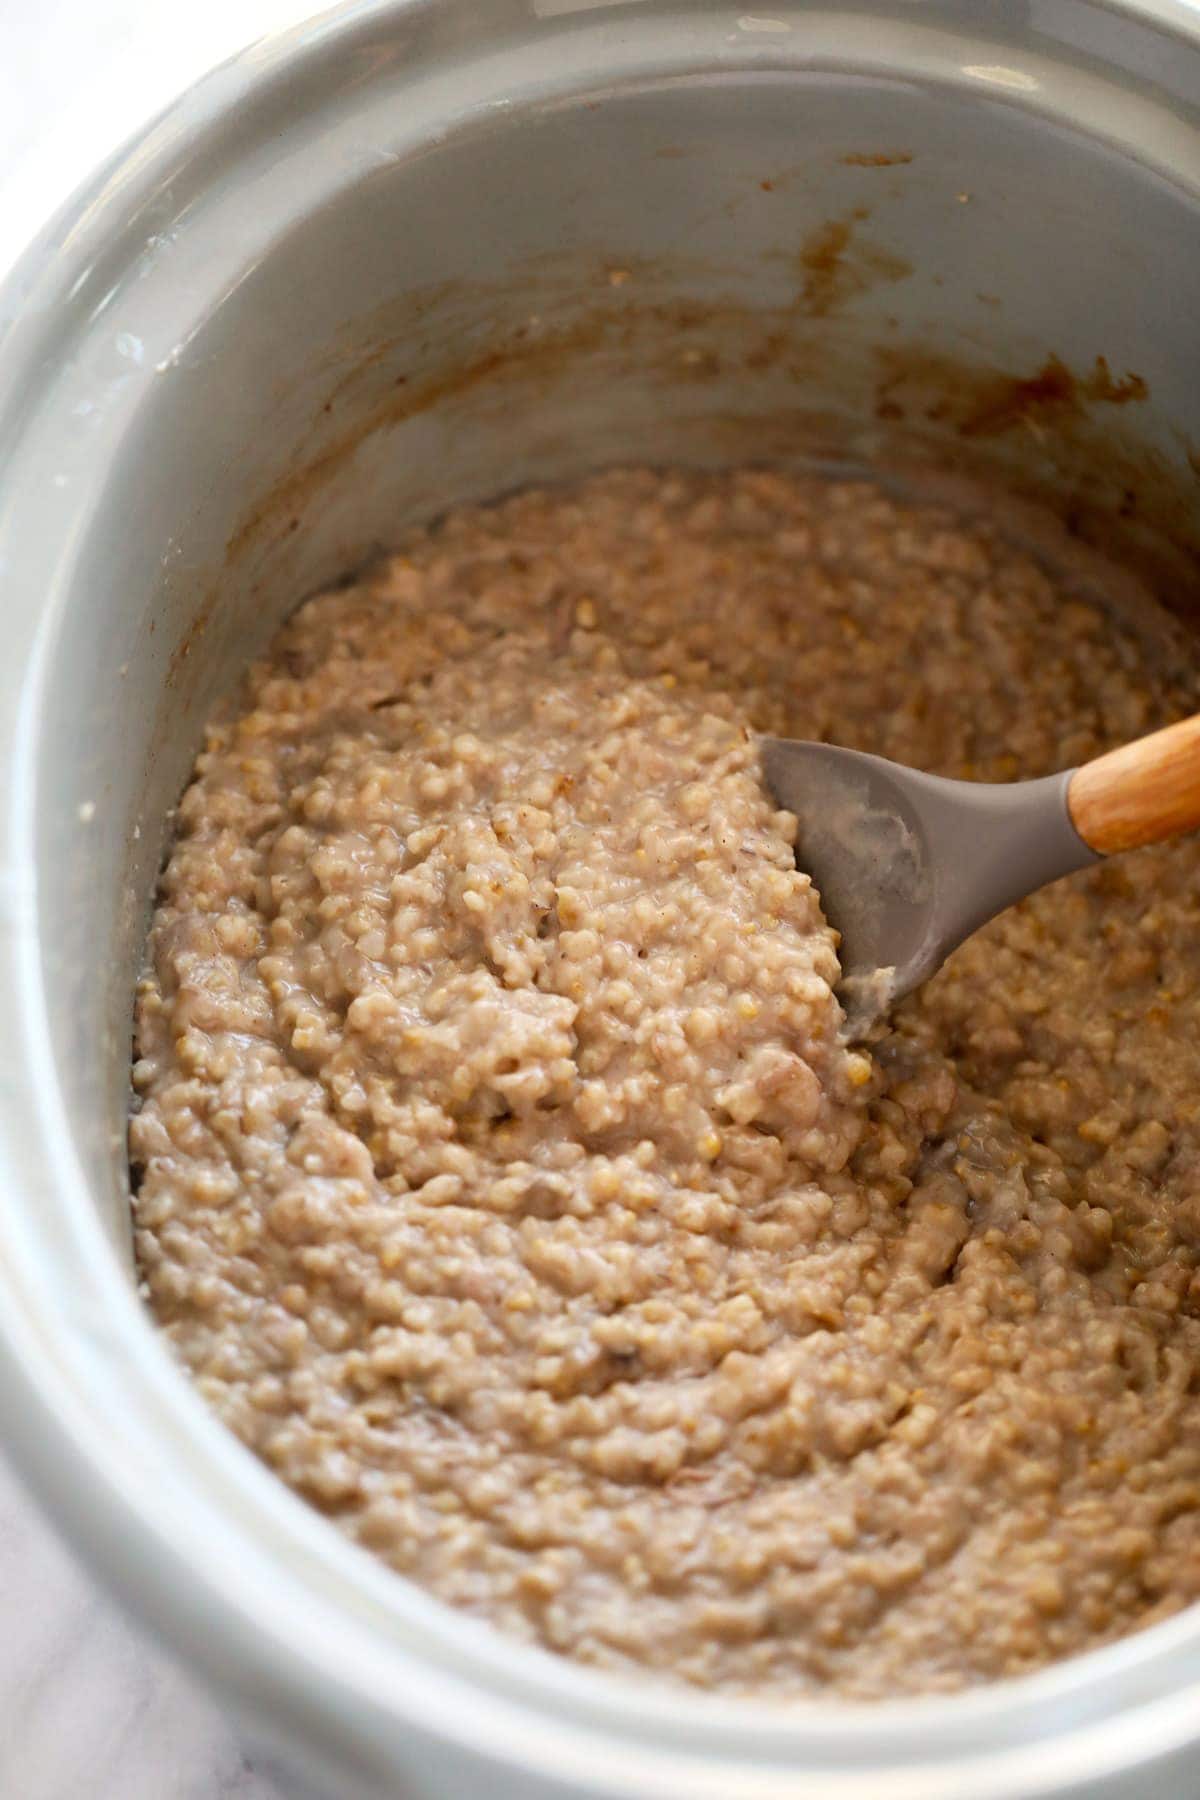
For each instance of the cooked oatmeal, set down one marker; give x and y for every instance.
(504, 1182)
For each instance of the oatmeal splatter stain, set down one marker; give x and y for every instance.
(877, 159)
(1053, 390)
(836, 265)
(984, 403)
(1099, 385)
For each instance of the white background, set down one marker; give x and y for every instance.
(77, 77)
(88, 1711)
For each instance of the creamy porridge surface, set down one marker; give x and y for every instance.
(504, 1183)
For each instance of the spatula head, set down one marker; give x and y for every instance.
(864, 844)
(907, 864)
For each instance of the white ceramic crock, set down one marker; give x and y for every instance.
(428, 249)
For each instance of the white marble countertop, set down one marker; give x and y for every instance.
(88, 1709)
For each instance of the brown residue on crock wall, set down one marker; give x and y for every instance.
(191, 637)
(1099, 385)
(1056, 437)
(879, 159)
(543, 356)
(1054, 388)
(788, 384)
(820, 259)
(836, 265)
(1054, 402)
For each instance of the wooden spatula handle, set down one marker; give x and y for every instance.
(1140, 794)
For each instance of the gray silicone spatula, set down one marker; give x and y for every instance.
(907, 865)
